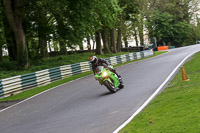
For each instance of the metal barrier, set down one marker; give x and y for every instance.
(14, 85)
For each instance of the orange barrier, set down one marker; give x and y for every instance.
(163, 48)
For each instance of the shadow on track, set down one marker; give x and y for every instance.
(108, 93)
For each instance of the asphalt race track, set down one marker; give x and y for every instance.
(84, 106)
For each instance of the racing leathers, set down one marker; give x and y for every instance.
(106, 64)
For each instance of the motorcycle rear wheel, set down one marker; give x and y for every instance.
(110, 86)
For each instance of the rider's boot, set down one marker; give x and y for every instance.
(117, 74)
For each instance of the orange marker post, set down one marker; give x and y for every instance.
(184, 76)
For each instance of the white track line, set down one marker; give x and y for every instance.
(154, 94)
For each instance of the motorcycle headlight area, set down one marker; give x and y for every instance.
(105, 74)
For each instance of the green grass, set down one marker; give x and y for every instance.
(9, 69)
(34, 91)
(176, 109)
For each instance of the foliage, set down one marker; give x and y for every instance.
(164, 27)
(66, 21)
(196, 29)
(51, 25)
(171, 21)
(2, 35)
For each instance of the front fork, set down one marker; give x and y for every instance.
(114, 78)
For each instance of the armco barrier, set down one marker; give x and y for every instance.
(17, 84)
(171, 47)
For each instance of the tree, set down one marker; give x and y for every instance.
(119, 40)
(60, 14)
(2, 35)
(197, 29)
(98, 43)
(88, 43)
(112, 41)
(107, 12)
(14, 13)
(10, 40)
(140, 18)
(127, 23)
(166, 29)
(105, 40)
(141, 29)
(170, 21)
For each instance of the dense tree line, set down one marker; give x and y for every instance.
(29, 28)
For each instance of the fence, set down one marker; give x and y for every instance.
(14, 85)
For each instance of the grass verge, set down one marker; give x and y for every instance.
(34, 91)
(176, 109)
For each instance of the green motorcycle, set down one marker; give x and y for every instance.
(108, 78)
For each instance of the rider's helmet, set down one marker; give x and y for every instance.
(94, 59)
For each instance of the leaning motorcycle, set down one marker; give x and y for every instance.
(108, 79)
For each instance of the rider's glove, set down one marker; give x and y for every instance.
(105, 66)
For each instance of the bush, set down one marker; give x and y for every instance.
(8, 65)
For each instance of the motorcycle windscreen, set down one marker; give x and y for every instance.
(99, 68)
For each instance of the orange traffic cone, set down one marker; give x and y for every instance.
(184, 76)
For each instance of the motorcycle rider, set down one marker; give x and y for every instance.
(101, 62)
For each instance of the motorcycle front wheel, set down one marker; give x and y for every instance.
(121, 86)
(110, 86)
